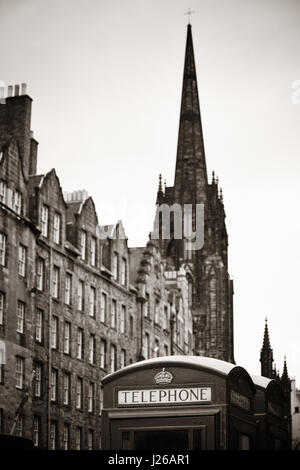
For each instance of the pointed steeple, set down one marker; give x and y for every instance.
(191, 175)
(285, 375)
(266, 342)
(266, 355)
(160, 194)
(286, 387)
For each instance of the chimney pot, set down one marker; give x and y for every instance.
(10, 91)
(23, 88)
(17, 90)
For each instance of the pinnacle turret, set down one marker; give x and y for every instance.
(266, 355)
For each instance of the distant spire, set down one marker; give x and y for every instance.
(266, 342)
(160, 194)
(285, 375)
(160, 183)
(266, 355)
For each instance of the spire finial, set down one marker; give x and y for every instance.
(189, 12)
(165, 185)
(213, 177)
(221, 194)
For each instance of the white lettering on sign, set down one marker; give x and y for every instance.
(164, 395)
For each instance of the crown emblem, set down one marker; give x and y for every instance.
(163, 377)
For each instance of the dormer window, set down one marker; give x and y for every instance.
(17, 202)
(83, 244)
(3, 189)
(56, 228)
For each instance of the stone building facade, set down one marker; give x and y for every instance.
(71, 307)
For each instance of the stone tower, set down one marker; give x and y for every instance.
(212, 296)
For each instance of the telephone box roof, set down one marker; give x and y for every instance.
(198, 362)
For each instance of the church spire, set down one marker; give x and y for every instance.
(285, 375)
(266, 342)
(266, 355)
(191, 175)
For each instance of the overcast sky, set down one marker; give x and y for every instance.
(106, 79)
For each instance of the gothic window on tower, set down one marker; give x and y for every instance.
(188, 233)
